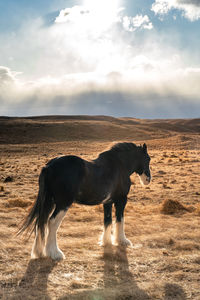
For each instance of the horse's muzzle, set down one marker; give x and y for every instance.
(144, 179)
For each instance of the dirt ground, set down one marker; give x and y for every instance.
(164, 261)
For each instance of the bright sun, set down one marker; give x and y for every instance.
(91, 24)
(102, 5)
(103, 12)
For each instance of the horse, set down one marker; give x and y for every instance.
(71, 179)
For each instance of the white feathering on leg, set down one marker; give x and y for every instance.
(38, 245)
(120, 238)
(52, 249)
(106, 237)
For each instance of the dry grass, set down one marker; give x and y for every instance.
(170, 207)
(17, 203)
(164, 261)
(198, 210)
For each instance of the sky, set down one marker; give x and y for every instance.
(124, 58)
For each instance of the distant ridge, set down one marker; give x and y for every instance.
(58, 128)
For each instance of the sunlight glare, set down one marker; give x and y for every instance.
(104, 12)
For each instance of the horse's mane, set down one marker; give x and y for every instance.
(123, 147)
(118, 149)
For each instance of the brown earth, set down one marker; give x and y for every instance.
(162, 220)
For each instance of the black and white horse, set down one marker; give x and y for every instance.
(71, 179)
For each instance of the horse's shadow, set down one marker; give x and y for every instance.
(119, 282)
(34, 281)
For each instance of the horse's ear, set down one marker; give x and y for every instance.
(145, 148)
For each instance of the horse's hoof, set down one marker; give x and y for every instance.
(123, 242)
(59, 257)
(56, 255)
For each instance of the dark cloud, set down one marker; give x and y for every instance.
(171, 97)
(190, 2)
(108, 103)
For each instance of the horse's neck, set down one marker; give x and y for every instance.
(127, 164)
(113, 161)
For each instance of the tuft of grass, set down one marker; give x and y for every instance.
(9, 179)
(17, 203)
(186, 246)
(170, 207)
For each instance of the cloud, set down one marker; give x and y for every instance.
(190, 2)
(136, 93)
(190, 8)
(92, 20)
(8, 85)
(85, 63)
(6, 76)
(71, 14)
(81, 40)
(139, 21)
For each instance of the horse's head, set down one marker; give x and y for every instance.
(143, 169)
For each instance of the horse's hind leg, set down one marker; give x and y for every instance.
(38, 245)
(54, 222)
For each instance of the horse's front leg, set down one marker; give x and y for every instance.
(106, 237)
(119, 236)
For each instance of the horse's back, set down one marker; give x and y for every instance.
(67, 160)
(66, 171)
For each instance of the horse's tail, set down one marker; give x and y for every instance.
(43, 206)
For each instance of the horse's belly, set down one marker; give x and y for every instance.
(93, 199)
(87, 201)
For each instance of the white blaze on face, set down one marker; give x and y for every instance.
(144, 179)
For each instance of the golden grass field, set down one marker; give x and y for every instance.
(162, 220)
